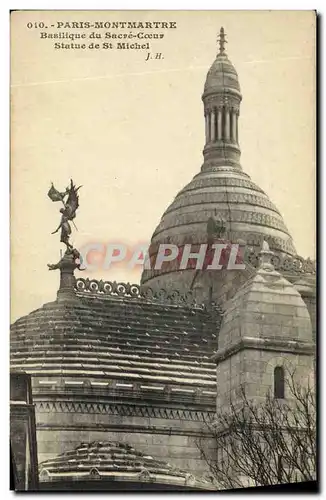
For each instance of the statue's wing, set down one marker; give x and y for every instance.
(72, 202)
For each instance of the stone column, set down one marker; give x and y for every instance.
(206, 127)
(219, 124)
(234, 126)
(213, 131)
(227, 124)
(237, 127)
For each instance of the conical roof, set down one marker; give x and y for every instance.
(222, 75)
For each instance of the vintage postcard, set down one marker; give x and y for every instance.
(163, 273)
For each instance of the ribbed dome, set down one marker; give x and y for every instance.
(231, 195)
(246, 209)
(221, 75)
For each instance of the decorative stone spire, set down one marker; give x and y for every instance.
(222, 41)
(221, 99)
(265, 257)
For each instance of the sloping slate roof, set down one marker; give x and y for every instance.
(114, 461)
(117, 337)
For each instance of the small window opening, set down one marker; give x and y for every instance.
(279, 382)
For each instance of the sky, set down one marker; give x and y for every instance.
(132, 131)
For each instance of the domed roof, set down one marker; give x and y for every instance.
(233, 197)
(229, 194)
(222, 75)
(115, 461)
(116, 337)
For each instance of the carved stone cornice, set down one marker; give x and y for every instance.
(231, 92)
(121, 410)
(134, 428)
(133, 291)
(278, 345)
(285, 263)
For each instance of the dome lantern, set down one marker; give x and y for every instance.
(221, 100)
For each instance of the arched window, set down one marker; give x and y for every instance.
(279, 382)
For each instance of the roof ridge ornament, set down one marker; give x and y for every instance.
(221, 39)
(286, 264)
(134, 291)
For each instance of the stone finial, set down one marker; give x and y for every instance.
(265, 257)
(222, 41)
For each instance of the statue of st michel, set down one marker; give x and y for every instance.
(68, 213)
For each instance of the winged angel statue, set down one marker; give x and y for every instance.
(68, 212)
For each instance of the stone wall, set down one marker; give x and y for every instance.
(172, 441)
(254, 369)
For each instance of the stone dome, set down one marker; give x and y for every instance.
(221, 191)
(231, 195)
(222, 74)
